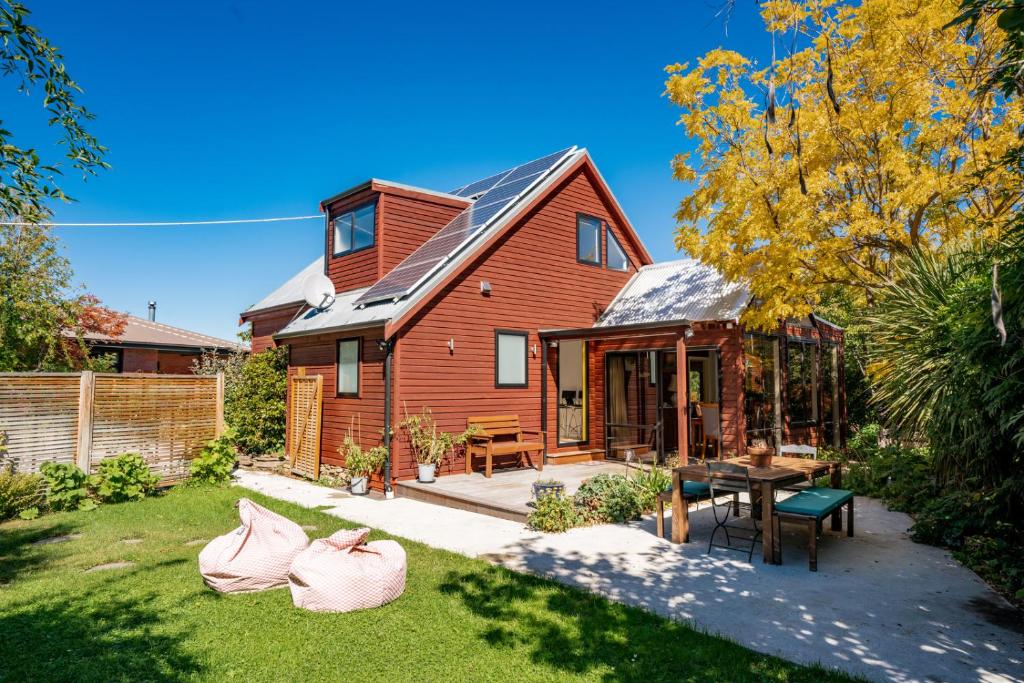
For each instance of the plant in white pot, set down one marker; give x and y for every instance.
(429, 444)
(361, 463)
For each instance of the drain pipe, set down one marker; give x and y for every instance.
(388, 347)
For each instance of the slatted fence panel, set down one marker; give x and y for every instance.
(306, 402)
(39, 413)
(164, 418)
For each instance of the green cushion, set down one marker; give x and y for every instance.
(814, 502)
(696, 488)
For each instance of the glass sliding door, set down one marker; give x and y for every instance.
(761, 402)
(632, 426)
(572, 392)
(829, 394)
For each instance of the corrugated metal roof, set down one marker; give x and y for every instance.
(144, 332)
(341, 315)
(291, 291)
(676, 291)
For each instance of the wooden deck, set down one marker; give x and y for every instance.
(507, 494)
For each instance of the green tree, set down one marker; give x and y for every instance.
(26, 181)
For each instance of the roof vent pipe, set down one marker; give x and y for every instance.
(152, 311)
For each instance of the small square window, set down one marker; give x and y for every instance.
(354, 230)
(588, 239)
(510, 358)
(348, 367)
(617, 259)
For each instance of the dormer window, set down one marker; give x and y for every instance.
(355, 229)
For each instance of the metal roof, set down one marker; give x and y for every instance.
(139, 332)
(676, 291)
(291, 291)
(341, 315)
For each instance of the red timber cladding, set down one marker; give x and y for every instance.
(730, 349)
(359, 268)
(407, 222)
(811, 434)
(266, 324)
(363, 414)
(536, 283)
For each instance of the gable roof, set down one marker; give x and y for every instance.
(290, 293)
(352, 309)
(139, 332)
(676, 291)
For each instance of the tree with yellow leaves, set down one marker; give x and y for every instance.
(871, 134)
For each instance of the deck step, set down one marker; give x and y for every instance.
(571, 457)
(425, 494)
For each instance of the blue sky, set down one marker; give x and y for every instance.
(217, 110)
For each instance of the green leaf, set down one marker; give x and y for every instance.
(30, 513)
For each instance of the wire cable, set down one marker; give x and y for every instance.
(161, 224)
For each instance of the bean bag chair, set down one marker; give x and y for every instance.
(341, 574)
(255, 556)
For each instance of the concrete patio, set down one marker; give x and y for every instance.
(880, 606)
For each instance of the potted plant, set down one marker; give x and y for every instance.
(430, 445)
(361, 463)
(760, 457)
(548, 487)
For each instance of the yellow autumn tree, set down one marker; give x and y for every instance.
(868, 134)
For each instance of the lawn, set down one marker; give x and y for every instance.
(459, 619)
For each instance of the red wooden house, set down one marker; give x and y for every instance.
(530, 293)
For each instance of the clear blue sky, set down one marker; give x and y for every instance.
(254, 109)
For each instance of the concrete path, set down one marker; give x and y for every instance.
(880, 606)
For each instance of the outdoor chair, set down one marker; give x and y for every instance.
(711, 430)
(693, 491)
(795, 450)
(720, 486)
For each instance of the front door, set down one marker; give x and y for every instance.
(572, 392)
(704, 401)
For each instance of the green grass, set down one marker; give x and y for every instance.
(459, 619)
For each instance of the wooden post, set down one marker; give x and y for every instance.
(86, 392)
(683, 401)
(220, 404)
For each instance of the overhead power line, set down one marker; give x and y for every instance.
(163, 224)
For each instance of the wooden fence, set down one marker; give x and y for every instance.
(86, 417)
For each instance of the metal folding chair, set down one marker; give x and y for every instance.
(732, 486)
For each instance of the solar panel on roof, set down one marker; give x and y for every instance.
(499, 192)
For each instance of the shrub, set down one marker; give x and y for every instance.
(554, 514)
(254, 405)
(19, 492)
(649, 484)
(67, 487)
(214, 464)
(608, 498)
(123, 478)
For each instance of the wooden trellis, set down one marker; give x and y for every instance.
(305, 397)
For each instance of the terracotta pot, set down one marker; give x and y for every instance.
(760, 457)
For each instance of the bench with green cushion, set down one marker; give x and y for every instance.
(692, 490)
(812, 505)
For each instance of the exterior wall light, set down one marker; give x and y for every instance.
(485, 287)
(451, 345)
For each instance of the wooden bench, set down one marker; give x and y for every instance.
(502, 435)
(693, 491)
(812, 506)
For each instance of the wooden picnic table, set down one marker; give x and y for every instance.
(783, 471)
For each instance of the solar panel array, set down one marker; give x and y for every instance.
(492, 196)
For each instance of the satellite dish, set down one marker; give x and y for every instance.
(318, 291)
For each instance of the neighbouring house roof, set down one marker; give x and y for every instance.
(355, 308)
(290, 292)
(140, 333)
(676, 291)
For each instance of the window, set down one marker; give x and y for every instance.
(801, 384)
(760, 389)
(348, 367)
(354, 230)
(617, 259)
(588, 239)
(509, 358)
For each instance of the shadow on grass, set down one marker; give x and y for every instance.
(578, 633)
(21, 550)
(99, 635)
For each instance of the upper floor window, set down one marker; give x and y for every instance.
(588, 239)
(355, 229)
(617, 259)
